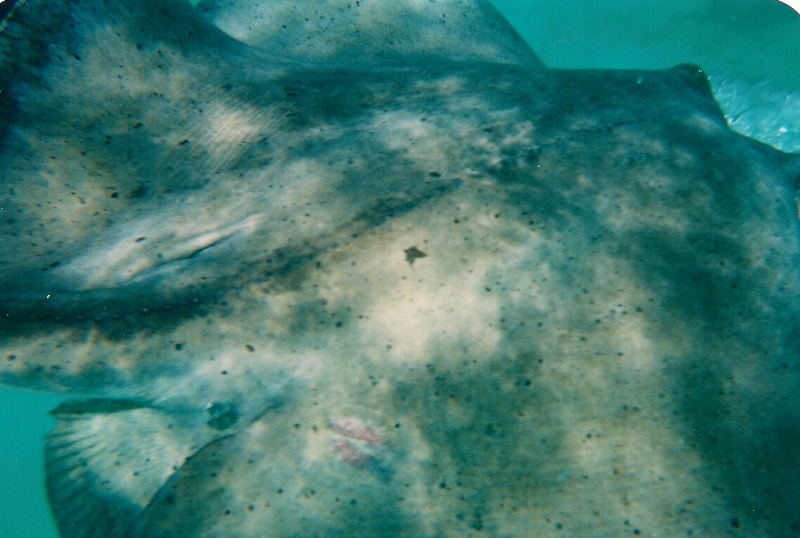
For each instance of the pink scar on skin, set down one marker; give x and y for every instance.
(356, 443)
(355, 428)
(351, 455)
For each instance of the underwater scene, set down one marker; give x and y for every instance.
(418, 268)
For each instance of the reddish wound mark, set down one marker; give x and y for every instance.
(351, 455)
(357, 429)
(356, 443)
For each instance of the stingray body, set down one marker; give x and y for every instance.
(370, 269)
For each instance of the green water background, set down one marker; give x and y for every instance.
(757, 40)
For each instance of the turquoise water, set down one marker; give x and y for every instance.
(755, 40)
(23, 423)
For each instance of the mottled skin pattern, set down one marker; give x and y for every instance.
(359, 296)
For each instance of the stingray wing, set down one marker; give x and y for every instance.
(311, 295)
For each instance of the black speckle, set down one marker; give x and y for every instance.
(249, 348)
(178, 347)
(11, 357)
(114, 195)
(435, 174)
(183, 142)
(735, 523)
(413, 254)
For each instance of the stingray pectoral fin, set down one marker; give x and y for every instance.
(106, 459)
(277, 477)
(339, 30)
(117, 84)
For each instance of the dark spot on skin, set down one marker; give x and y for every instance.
(11, 358)
(178, 347)
(113, 195)
(221, 416)
(138, 192)
(735, 523)
(435, 174)
(183, 142)
(249, 348)
(413, 254)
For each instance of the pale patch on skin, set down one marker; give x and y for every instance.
(227, 127)
(424, 307)
(129, 258)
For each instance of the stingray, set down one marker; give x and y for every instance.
(361, 268)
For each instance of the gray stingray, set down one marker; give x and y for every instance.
(361, 268)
